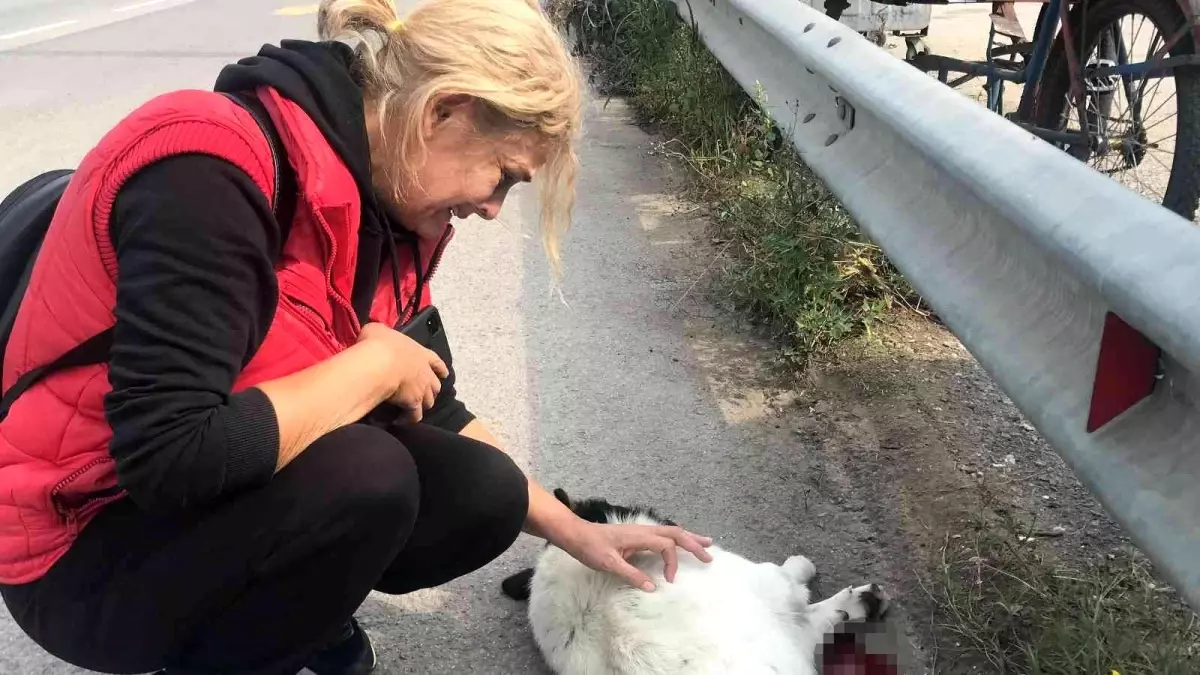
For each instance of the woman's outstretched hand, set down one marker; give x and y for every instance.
(607, 547)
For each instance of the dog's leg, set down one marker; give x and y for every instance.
(850, 604)
(517, 586)
(800, 569)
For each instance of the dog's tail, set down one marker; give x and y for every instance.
(517, 586)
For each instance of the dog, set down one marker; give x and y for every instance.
(727, 616)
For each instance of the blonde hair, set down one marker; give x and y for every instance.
(503, 53)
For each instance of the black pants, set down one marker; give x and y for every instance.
(259, 583)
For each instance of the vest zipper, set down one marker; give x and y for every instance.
(105, 495)
(434, 260)
(329, 287)
(313, 318)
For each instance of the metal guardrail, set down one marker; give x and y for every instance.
(1032, 259)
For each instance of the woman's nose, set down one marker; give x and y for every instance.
(490, 209)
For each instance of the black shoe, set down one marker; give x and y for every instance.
(351, 654)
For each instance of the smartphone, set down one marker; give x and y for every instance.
(427, 330)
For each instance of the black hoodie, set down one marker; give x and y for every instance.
(196, 243)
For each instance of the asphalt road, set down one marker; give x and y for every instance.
(612, 392)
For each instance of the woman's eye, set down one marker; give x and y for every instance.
(508, 179)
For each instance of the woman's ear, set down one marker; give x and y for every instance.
(445, 108)
(449, 116)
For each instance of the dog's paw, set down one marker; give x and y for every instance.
(517, 586)
(864, 603)
(800, 569)
(874, 601)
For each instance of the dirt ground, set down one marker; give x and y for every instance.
(911, 433)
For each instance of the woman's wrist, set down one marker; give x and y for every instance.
(383, 378)
(547, 517)
(550, 519)
(327, 395)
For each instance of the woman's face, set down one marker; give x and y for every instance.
(465, 172)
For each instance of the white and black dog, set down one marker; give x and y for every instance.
(727, 616)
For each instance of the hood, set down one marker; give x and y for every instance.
(321, 78)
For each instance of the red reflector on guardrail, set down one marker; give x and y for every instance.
(1125, 371)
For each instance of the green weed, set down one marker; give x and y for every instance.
(800, 265)
(1006, 602)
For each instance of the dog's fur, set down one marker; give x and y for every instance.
(727, 616)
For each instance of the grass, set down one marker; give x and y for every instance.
(797, 262)
(1005, 604)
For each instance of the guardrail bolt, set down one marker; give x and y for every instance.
(829, 141)
(845, 112)
(808, 118)
(834, 41)
(809, 27)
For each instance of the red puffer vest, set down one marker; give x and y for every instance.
(55, 470)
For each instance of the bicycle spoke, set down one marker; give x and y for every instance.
(1159, 162)
(1137, 175)
(1163, 139)
(1151, 126)
(1133, 43)
(1154, 89)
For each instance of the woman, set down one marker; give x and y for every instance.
(212, 500)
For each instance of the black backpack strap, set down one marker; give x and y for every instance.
(89, 352)
(96, 348)
(283, 202)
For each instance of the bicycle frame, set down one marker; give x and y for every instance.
(1054, 16)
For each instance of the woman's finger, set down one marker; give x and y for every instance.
(697, 547)
(689, 542)
(670, 558)
(438, 365)
(631, 575)
(414, 413)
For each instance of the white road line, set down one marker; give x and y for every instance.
(297, 10)
(38, 29)
(140, 5)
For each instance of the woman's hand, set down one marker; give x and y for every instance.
(606, 548)
(416, 372)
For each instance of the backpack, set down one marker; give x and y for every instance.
(25, 217)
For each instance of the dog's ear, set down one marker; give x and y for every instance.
(561, 495)
(517, 586)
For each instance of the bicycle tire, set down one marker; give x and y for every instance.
(1183, 186)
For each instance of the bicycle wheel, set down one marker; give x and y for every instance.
(1144, 132)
